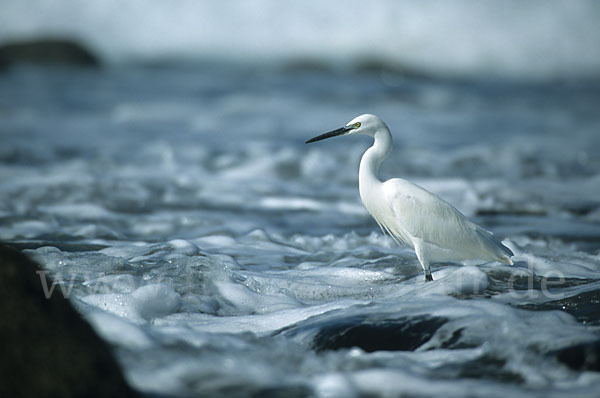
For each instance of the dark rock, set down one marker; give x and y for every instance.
(374, 334)
(581, 356)
(383, 67)
(47, 52)
(48, 350)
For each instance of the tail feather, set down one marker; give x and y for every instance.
(502, 252)
(506, 260)
(507, 253)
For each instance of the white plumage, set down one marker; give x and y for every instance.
(413, 216)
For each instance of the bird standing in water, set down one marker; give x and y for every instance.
(411, 215)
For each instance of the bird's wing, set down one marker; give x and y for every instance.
(421, 214)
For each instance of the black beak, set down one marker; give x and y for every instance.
(334, 133)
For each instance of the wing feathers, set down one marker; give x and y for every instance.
(417, 213)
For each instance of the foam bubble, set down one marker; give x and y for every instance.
(144, 303)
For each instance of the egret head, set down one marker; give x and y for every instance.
(363, 124)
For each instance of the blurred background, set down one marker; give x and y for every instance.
(534, 40)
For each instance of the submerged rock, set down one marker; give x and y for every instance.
(48, 349)
(47, 52)
(374, 334)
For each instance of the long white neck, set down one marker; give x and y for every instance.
(371, 160)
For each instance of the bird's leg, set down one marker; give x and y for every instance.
(424, 263)
(428, 277)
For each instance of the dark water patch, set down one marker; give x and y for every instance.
(582, 208)
(375, 334)
(62, 246)
(238, 389)
(287, 391)
(516, 212)
(368, 66)
(307, 66)
(487, 367)
(24, 154)
(453, 341)
(584, 356)
(507, 282)
(585, 307)
(385, 68)
(490, 368)
(530, 286)
(544, 226)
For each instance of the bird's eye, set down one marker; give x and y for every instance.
(356, 125)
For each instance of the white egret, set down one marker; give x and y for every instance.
(411, 215)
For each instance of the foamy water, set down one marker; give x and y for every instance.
(181, 212)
